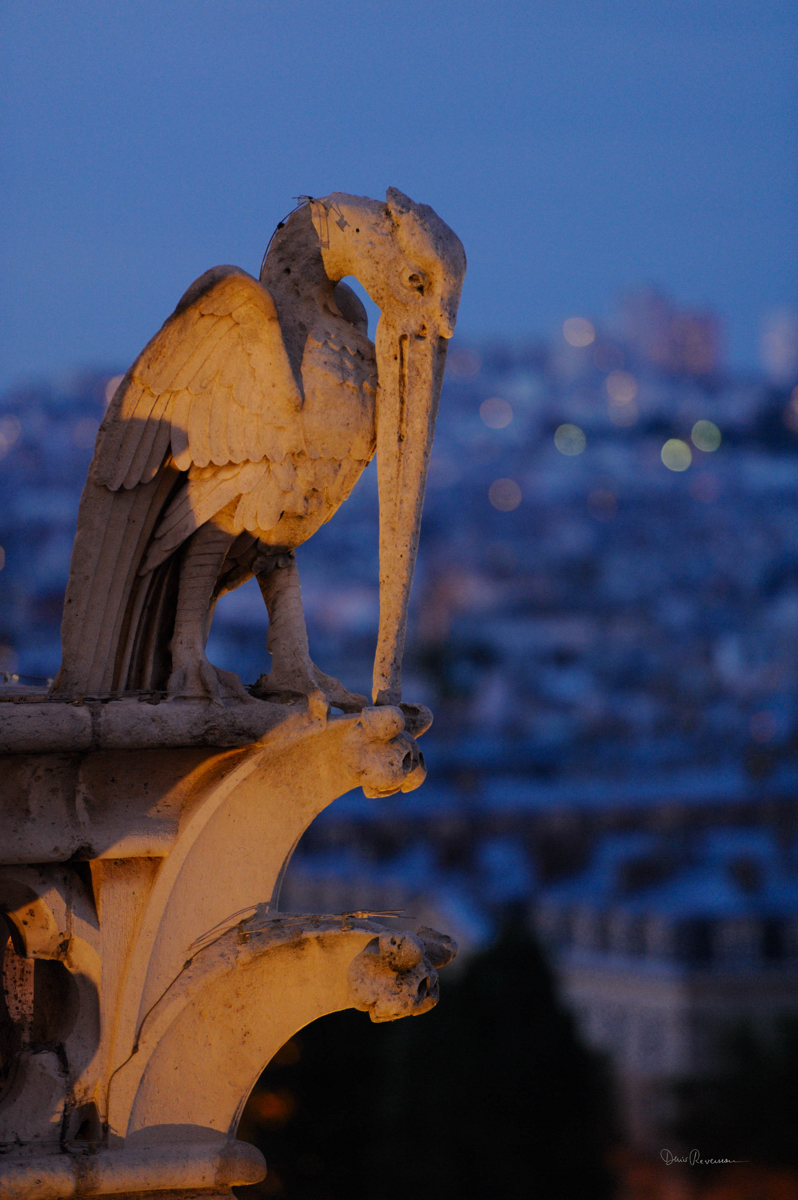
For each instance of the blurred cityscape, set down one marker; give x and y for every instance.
(605, 625)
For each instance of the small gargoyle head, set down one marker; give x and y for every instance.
(384, 752)
(394, 975)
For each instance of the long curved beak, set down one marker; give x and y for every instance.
(410, 368)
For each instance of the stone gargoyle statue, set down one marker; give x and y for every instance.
(147, 972)
(240, 429)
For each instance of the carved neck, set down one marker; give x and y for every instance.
(294, 276)
(356, 238)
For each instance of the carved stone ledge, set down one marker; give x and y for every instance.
(235, 1003)
(91, 804)
(41, 726)
(179, 1169)
(34, 724)
(146, 882)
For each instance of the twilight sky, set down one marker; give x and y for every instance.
(576, 146)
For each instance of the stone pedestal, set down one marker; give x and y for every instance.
(148, 975)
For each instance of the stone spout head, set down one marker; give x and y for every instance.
(394, 977)
(385, 756)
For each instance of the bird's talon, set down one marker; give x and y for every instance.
(318, 705)
(322, 692)
(340, 696)
(231, 686)
(202, 681)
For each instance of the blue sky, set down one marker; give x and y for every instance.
(577, 147)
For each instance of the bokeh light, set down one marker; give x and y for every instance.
(578, 331)
(621, 387)
(273, 1109)
(569, 439)
(706, 436)
(496, 413)
(504, 494)
(676, 455)
(10, 432)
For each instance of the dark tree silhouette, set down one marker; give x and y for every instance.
(491, 1094)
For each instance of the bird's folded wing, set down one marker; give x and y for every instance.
(203, 494)
(213, 386)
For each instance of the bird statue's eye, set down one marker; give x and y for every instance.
(415, 281)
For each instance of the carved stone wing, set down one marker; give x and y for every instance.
(214, 385)
(207, 408)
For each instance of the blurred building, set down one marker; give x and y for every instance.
(665, 942)
(670, 340)
(779, 346)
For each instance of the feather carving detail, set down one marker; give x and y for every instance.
(215, 382)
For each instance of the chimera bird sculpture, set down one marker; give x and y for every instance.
(240, 429)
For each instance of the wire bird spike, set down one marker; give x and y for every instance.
(301, 201)
(243, 915)
(363, 914)
(357, 914)
(221, 928)
(145, 695)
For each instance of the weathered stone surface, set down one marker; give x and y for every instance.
(210, 1167)
(27, 728)
(392, 977)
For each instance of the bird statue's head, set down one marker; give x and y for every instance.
(408, 260)
(412, 265)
